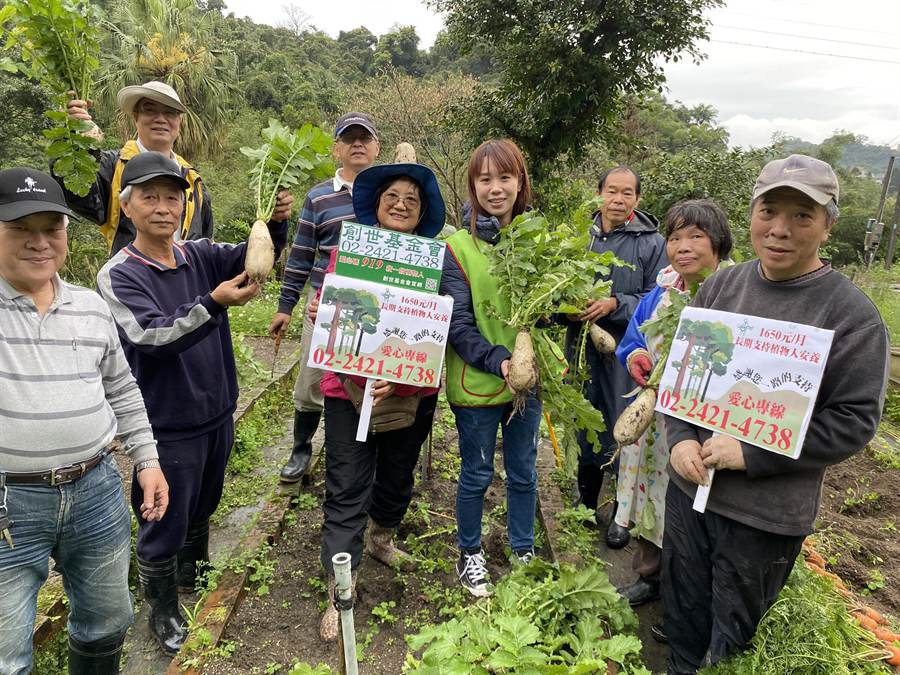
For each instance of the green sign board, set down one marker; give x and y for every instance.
(391, 258)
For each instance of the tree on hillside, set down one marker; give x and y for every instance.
(694, 173)
(859, 196)
(565, 65)
(399, 49)
(358, 46)
(170, 40)
(295, 19)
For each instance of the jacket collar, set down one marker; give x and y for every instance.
(639, 222)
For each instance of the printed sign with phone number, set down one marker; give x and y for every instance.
(748, 377)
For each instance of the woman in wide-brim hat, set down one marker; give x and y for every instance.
(369, 484)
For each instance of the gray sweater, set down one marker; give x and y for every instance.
(778, 494)
(65, 386)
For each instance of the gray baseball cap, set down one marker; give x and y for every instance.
(813, 177)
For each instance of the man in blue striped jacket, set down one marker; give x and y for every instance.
(169, 300)
(327, 205)
(65, 392)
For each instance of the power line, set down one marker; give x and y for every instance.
(812, 23)
(801, 51)
(808, 37)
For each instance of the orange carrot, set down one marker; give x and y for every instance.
(894, 659)
(866, 622)
(814, 558)
(875, 616)
(886, 635)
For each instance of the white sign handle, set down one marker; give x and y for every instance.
(703, 492)
(702, 495)
(365, 412)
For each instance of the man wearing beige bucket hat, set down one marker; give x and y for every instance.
(157, 111)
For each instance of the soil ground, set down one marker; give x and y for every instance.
(280, 626)
(858, 521)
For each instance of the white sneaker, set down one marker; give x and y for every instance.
(471, 569)
(522, 557)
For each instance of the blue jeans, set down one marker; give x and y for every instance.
(477, 429)
(86, 527)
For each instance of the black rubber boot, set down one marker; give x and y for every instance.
(616, 535)
(161, 592)
(193, 558)
(305, 425)
(95, 658)
(590, 480)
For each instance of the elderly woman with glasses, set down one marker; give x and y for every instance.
(369, 483)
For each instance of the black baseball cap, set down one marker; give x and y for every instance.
(24, 191)
(352, 119)
(149, 165)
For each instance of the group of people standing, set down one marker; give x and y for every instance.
(152, 362)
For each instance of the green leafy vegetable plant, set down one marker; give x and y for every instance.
(57, 43)
(285, 160)
(636, 418)
(542, 618)
(544, 270)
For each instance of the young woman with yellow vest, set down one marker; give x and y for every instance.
(478, 363)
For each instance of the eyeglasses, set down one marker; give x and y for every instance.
(352, 137)
(391, 198)
(153, 111)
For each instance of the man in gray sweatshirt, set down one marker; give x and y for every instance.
(721, 570)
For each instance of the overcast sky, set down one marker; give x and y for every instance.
(757, 91)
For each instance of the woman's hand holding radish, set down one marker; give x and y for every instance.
(723, 452)
(688, 462)
(381, 390)
(639, 367)
(504, 370)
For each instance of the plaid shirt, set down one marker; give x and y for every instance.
(327, 205)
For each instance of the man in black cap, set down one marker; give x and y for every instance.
(169, 300)
(327, 205)
(65, 391)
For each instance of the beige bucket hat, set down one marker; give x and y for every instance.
(157, 91)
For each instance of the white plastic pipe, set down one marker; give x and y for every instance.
(342, 581)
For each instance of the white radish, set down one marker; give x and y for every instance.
(603, 341)
(404, 153)
(635, 419)
(523, 372)
(260, 256)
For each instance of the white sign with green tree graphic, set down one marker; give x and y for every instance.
(744, 376)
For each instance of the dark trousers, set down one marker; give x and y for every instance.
(719, 577)
(370, 479)
(195, 471)
(647, 559)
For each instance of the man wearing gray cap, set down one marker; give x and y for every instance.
(65, 391)
(327, 205)
(722, 569)
(157, 112)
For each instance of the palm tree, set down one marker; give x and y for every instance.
(171, 41)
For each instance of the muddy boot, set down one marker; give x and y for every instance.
(380, 545)
(193, 558)
(161, 592)
(331, 622)
(305, 425)
(100, 657)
